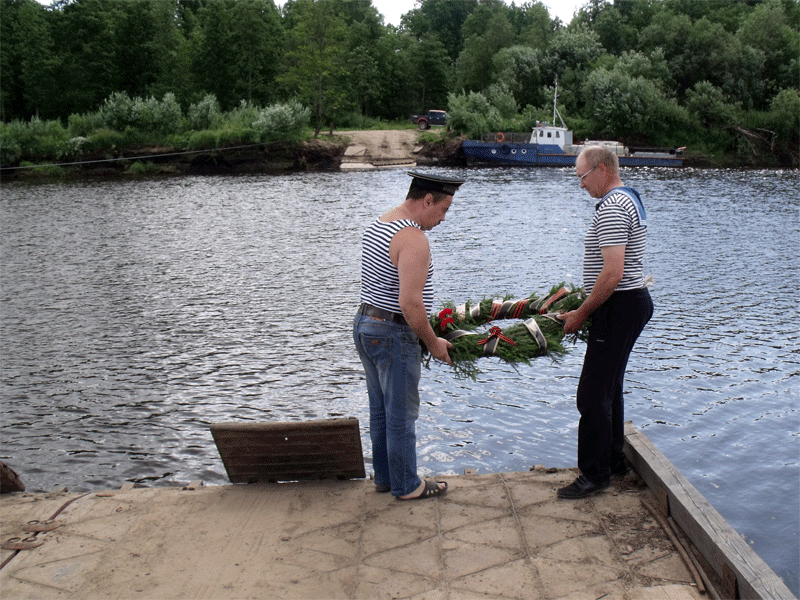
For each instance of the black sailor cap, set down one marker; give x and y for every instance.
(435, 183)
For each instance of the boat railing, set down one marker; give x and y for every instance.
(508, 137)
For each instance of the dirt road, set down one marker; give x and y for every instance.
(380, 148)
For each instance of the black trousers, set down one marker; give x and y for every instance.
(615, 327)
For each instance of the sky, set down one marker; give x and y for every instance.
(392, 10)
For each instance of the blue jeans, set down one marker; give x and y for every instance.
(392, 359)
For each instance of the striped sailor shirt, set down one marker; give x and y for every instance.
(380, 280)
(616, 222)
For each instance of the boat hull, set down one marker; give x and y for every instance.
(551, 155)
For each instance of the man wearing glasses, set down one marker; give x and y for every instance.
(619, 305)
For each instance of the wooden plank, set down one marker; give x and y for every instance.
(715, 539)
(320, 449)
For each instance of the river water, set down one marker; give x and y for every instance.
(136, 313)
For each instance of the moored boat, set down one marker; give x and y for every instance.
(551, 145)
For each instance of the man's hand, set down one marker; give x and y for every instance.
(573, 321)
(439, 351)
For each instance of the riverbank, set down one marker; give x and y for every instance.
(338, 150)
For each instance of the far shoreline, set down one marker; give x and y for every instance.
(324, 153)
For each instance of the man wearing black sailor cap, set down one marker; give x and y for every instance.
(396, 301)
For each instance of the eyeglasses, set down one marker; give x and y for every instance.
(580, 177)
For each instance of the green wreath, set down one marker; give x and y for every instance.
(541, 333)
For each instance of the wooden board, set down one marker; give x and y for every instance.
(734, 561)
(322, 449)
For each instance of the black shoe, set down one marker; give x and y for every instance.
(580, 488)
(620, 470)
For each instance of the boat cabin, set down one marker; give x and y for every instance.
(544, 133)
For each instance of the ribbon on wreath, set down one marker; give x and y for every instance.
(490, 343)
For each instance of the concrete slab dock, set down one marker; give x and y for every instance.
(499, 536)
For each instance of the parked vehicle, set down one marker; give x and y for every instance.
(433, 117)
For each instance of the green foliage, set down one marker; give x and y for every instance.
(518, 67)
(785, 114)
(120, 112)
(627, 106)
(36, 139)
(199, 140)
(649, 70)
(10, 148)
(47, 171)
(205, 114)
(501, 97)
(221, 138)
(141, 168)
(708, 104)
(472, 114)
(117, 111)
(103, 139)
(84, 124)
(282, 121)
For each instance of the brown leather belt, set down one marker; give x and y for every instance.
(379, 313)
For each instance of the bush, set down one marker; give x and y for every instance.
(120, 112)
(243, 115)
(10, 150)
(163, 116)
(84, 125)
(500, 96)
(105, 139)
(142, 168)
(282, 121)
(117, 111)
(472, 114)
(36, 139)
(205, 114)
(201, 140)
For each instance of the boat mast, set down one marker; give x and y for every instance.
(555, 108)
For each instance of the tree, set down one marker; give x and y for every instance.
(84, 36)
(364, 59)
(767, 29)
(135, 57)
(534, 25)
(396, 72)
(632, 108)
(256, 46)
(11, 88)
(615, 33)
(785, 114)
(519, 67)
(37, 61)
(568, 60)
(316, 58)
(171, 57)
(707, 103)
(212, 55)
(474, 66)
(430, 79)
(443, 18)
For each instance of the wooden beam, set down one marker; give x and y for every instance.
(724, 549)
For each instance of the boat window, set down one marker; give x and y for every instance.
(558, 134)
(549, 134)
